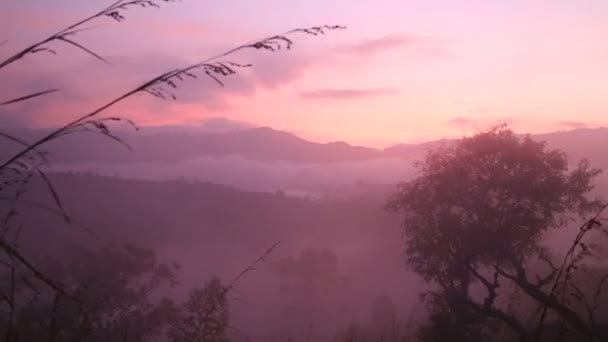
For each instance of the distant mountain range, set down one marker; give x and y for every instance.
(264, 159)
(267, 145)
(260, 144)
(589, 143)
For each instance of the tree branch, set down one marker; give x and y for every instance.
(542, 282)
(575, 320)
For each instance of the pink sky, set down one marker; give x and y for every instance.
(404, 71)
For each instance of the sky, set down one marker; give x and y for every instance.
(402, 72)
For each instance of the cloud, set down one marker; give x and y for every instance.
(32, 19)
(345, 94)
(200, 126)
(426, 47)
(572, 124)
(220, 124)
(252, 175)
(379, 44)
(271, 70)
(88, 83)
(462, 122)
(467, 123)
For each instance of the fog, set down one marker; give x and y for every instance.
(399, 181)
(247, 174)
(340, 258)
(336, 257)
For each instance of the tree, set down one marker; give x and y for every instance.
(311, 285)
(383, 319)
(203, 317)
(114, 285)
(474, 217)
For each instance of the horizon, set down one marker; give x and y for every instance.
(227, 126)
(539, 67)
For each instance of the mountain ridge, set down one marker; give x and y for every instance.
(266, 144)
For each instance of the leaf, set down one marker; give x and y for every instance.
(62, 38)
(23, 143)
(55, 196)
(30, 96)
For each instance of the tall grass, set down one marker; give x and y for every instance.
(19, 169)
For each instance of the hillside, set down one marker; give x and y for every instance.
(217, 230)
(263, 159)
(263, 144)
(260, 144)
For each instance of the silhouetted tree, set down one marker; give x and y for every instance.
(113, 285)
(311, 284)
(203, 317)
(383, 319)
(473, 219)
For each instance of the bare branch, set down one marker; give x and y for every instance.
(596, 302)
(511, 321)
(542, 281)
(252, 266)
(566, 265)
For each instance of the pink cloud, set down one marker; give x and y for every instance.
(483, 117)
(572, 124)
(462, 122)
(33, 19)
(423, 46)
(344, 94)
(372, 46)
(273, 69)
(88, 83)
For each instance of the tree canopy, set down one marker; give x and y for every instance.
(477, 210)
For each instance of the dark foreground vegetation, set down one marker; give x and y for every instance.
(503, 239)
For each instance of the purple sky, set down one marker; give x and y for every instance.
(403, 71)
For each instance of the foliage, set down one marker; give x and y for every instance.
(451, 318)
(113, 285)
(474, 217)
(203, 317)
(310, 284)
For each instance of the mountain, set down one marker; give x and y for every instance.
(264, 159)
(588, 143)
(210, 125)
(413, 150)
(260, 144)
(212, 230)
(581, 143)
(220, 138)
